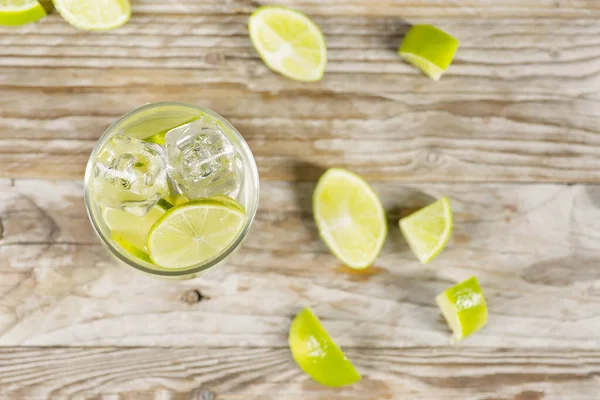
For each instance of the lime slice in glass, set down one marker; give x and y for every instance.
(19, 12)
(289, 43)
(131, 228)
(427, 231)
(317, 354)
(228, 201)
(94, 15)
(193, 233)
(464, 308)
(159, 138)
(350, 217)
(177, 199)
(130, 248)
(429, 49)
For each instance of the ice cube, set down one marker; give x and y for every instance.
(130, 174)
(202, 162)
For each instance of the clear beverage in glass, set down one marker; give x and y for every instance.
(160, 157)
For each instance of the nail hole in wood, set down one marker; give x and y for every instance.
(193, 297)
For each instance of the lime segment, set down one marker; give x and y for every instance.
(464, 308)
(289, 43)
(429, 49)
(350, 217)
(193, 233)
(317, 354)
(427, 231)
(94, 15)
(20, 12)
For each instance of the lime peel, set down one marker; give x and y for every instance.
(317, 354)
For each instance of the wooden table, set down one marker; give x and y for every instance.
(511, 134)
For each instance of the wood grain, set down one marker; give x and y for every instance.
(234, 374)
(512, 122)
(520, 102)
(533, 248)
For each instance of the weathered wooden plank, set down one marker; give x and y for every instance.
(482, 8)
(533, 247)
(520, 102)
(234, 374)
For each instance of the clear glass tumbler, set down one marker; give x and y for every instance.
(147, 128)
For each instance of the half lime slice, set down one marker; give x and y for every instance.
(427, 231)
(94, 15)
(289, 43)
(350, 217)
(464, 308)
(317, 354)
(429, 49)
(20, 12)
(194, 233)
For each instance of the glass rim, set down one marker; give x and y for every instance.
(251, 213)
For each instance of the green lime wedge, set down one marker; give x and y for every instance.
(429, 49)
(131, 228)
(317, 354)
(94, 15)
(464, 308)
(350, 217)
(289, 43)
(427, 231)
(20, 12)
(193, 233)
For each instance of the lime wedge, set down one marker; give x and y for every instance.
(464, 308)
(317, 354)
(19, 12)
(289, 43)
(427, 231)
(94, 15)
(193, 233)
(429, 49)
(130, 228)
(350, 217)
